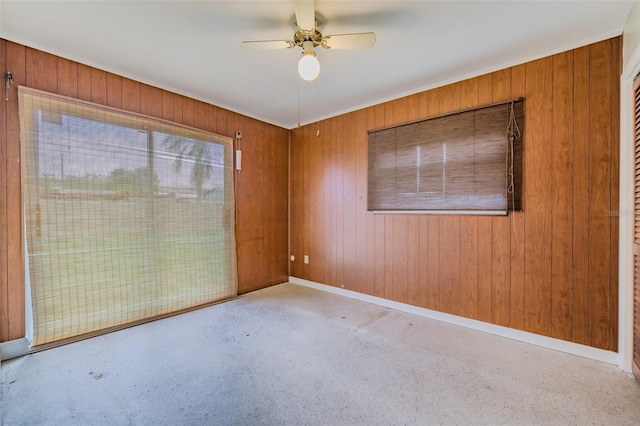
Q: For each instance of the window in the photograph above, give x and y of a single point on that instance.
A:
(127, 217)
(467, 162)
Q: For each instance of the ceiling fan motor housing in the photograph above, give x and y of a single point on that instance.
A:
(302, 35)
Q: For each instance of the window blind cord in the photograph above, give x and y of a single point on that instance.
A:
(513, 131)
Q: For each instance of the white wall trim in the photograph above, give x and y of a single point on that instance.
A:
(627, 213)
(14, 348)
(625, 237)
(523, 336)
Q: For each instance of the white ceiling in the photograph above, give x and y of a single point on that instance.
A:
(193, 47)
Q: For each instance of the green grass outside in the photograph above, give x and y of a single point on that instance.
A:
(121, 261)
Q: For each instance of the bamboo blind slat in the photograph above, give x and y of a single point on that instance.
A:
(127, 217)
(457, 162)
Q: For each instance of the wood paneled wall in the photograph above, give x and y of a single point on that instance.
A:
(261, 186)
(550, 270)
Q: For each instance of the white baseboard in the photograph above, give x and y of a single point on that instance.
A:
(14, 348)
(523, 336)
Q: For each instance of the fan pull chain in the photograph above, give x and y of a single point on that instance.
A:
(298, 80)
(318, 106)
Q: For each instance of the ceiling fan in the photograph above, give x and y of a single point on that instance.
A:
(308, 37)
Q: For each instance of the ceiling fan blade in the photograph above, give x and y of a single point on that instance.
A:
(349, 41)
(306, 14)
(267, 44)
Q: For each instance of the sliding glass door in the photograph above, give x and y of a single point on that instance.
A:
(127, 218)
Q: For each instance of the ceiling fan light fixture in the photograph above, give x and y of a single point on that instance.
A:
(308, 66)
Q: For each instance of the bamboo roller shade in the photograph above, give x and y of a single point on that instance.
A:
(457, 162)
(127, 217)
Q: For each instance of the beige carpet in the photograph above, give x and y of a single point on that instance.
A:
(296, 356)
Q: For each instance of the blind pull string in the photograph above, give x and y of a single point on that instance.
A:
(513, 131)
(298, 80)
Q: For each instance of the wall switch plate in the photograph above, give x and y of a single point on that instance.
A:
(306, 258)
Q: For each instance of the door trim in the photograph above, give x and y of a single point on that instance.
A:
(627, 166)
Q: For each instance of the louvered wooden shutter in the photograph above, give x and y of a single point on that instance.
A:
(636, 238)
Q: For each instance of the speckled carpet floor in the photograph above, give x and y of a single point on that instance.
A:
(297, 356)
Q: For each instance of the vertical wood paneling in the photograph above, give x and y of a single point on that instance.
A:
(501, 230)
(581, 77)
(562, 197)
(114, 90)
(388, 226)
(278, 144)
(296, 203)
(264, 194)
(297, 168)
(42, 70)
(517, 226)
(4, 236)
(261, 255)
(318, 194)
(370, 262)
(433, 225)
(413, 225)
(538, 161)
(168, 106)
(362, 218)
(485, 232)
(449, 227)
(616, 71)
(599, 193)
(423, 271)
(256, 247)
(331, 203)
(315, 200)
(532, 270)
(200, 109)
(379, 225)
(130, 95)
(212, 119)
(84, 82)
(151, 104)
(349, 207)
(469, 228)
(399, 250)
(305, 200)
(15, 329)
(98, 86)
(177, 108)
(222, 125)
(67, 78)
(187, 111)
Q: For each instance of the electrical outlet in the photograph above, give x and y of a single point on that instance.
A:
(306, 259)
